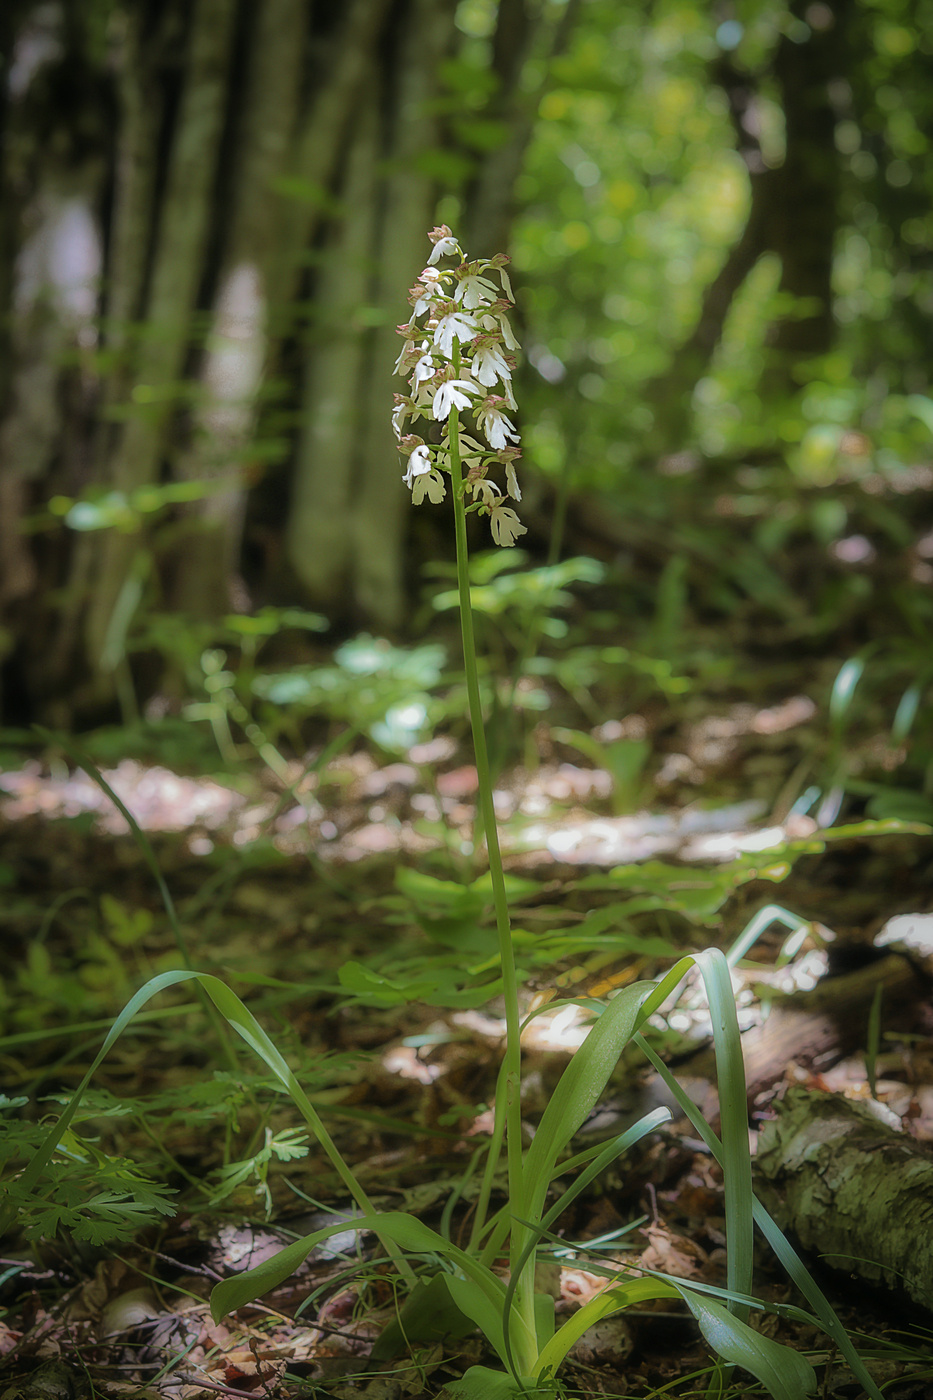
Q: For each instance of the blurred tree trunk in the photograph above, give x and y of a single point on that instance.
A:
(183, 226)
(345, 524)
(792, 213)
(250, 188)
(237, 346)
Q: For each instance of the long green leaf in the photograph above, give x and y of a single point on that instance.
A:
(781, 1369)
(578, 1090)
(784, 1251)
(611, 1300)
(785, 1373)
(475, 1304)
(733, 1112)
(405, 1232)
(607, 1154)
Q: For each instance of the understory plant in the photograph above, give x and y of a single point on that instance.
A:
(454, 429)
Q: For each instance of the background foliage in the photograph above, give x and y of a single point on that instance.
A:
(721, 230)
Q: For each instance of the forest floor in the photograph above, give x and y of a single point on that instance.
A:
(361, 864)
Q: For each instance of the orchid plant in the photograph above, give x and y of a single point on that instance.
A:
(458, 359)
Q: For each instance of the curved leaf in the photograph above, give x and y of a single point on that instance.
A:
(482, 1383)
(783, 1371)
(733, 1107)
(483, 1300)
(611, 1300)
(577, 1093)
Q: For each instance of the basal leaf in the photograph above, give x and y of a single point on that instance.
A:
(578, 1091)
(783, 1371)
(482, 1383)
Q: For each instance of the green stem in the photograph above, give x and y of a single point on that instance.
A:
(524, 1293)
(493, 1155)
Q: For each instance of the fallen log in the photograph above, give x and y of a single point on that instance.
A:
(852, 1188)
(817, 1028)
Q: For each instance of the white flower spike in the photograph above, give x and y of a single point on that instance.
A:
(456, 358)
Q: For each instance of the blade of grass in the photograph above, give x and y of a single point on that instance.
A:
(144, 844)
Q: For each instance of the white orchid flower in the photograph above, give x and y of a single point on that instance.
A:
(500, 324)
(430, 484)
(443, 248)
(430, 292)
(456, 325)
(424, 368)
(419, 463)
(489, 366)
(399, 414)
(499, 430)
(474, 291)
(453, 393)
(486, 491)
(506, 526)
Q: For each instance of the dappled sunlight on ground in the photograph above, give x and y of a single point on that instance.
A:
(357, 806)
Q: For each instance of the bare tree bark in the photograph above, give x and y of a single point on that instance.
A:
(803, 211)
(52, 259)
(342, 71)
(793, 214)
(347, 515)
(522, 33)
(319, 539)
(237, 347)
(183, 221)
(408, 206)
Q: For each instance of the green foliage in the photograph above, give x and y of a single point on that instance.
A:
(288, 1145)
(378, 689)
(94, 1198)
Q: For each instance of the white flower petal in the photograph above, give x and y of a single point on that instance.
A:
(506, 526)
(432, 485)
(443, 248)
(486, 491)
(419, 463)
(507, 335)
(459, 325)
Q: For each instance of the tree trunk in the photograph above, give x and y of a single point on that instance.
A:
(803, 210)
(793, 213)
(852, 1189)
(183, 224)
(237, 346)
